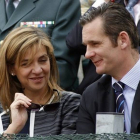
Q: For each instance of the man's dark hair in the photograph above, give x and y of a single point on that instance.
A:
(115, 19)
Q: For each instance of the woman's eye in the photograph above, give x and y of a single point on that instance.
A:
(23, 64)
(44, 60)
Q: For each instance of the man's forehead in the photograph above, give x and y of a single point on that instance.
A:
(94, 27)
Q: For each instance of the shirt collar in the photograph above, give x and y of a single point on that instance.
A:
(15, 2)
(132, 78)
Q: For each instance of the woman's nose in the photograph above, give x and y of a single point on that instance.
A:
(37, 69)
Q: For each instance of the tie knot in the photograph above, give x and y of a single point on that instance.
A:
(119, 86)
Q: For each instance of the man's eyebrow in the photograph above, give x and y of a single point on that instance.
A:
(91, 41)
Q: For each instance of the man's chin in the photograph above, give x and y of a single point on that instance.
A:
(99, 71)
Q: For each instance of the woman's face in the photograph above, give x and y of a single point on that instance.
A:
(34, 76)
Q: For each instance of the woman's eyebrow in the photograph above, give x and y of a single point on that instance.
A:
(44, 55)
(24, 60)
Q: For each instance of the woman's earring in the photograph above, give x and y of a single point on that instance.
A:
(12, 74)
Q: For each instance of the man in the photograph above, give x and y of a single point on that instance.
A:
(58, 17)
(111, 37)
(74, 42)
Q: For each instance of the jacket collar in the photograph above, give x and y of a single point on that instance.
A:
(3, 14)
(24, 7)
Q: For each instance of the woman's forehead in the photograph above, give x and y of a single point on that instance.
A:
(33, 51)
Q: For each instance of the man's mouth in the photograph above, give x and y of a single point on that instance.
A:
(96, 63)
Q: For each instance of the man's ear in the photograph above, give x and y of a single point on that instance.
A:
(123, 40)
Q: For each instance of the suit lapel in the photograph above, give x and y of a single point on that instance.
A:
(24, 7)
(2, 14)
(135, 115)
(108, 95)
(111, 99)
(138, 27)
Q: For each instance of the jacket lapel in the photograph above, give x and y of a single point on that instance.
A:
(109, 104)
(135, 115)
(111, 99)
(2, 14)
(138, 27)
(24, 7)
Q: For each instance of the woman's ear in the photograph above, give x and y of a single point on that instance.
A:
(11, 70)
(123, 40)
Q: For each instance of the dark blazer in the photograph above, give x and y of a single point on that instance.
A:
(100, 97)
(64, 13)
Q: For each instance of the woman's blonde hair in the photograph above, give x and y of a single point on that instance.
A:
(12, 50)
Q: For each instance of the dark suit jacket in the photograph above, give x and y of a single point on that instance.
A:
(64, 13)
(100, 97)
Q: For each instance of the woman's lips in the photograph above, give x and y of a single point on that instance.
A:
(36, 79)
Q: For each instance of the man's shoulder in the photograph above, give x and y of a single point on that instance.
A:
(99, 85)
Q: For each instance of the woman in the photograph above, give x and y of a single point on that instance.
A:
(31, 100)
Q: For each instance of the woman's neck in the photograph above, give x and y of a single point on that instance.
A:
(37, 97)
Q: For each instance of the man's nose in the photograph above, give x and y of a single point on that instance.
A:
(89, 53)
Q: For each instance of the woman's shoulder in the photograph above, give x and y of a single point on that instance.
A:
(70, 95)
(70, 102)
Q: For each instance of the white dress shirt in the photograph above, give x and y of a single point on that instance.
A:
(15, 2)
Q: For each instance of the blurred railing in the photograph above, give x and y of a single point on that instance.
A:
(74, 137)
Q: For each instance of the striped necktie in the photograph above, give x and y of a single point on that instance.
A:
(10, 9)
(119, 96)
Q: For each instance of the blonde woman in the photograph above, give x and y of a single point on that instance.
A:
(31, 102)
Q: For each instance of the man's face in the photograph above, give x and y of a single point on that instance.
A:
(100, 49)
